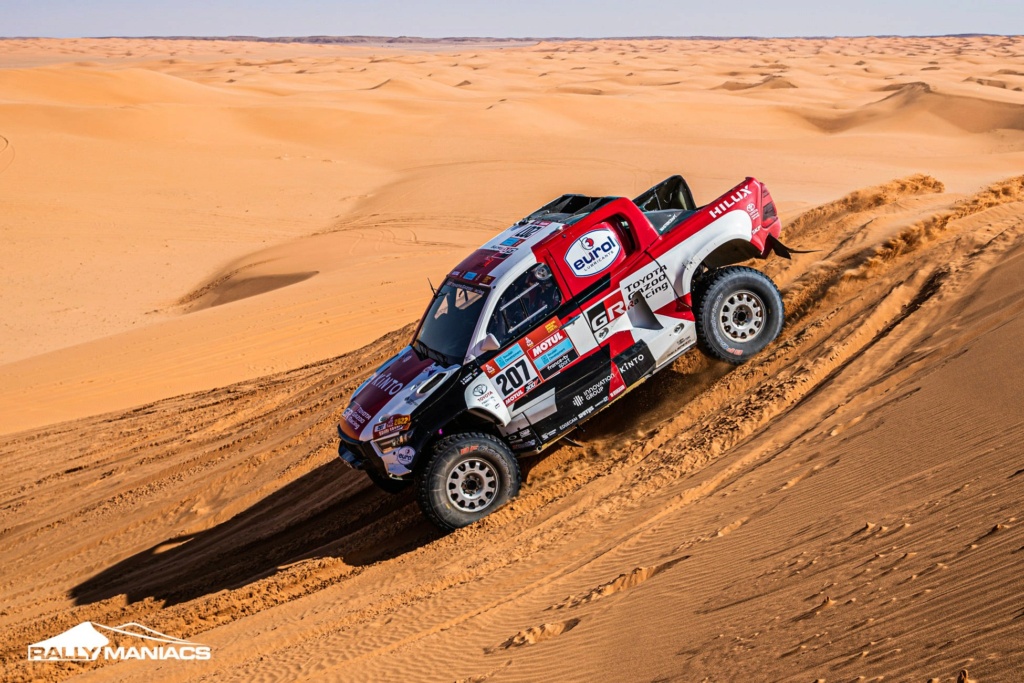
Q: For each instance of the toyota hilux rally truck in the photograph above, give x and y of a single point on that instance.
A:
(550, 322)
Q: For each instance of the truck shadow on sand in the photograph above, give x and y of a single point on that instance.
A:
(335, 512)
(328, 512)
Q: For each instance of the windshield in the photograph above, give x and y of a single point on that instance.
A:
(450, 321)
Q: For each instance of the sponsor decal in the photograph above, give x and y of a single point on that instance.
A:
(688, 336)
(649, 284)
(391, 425)
(595, 391)
(356, 416)
(512, 242)
(507, 356)
(604, 313)
(487, 279)
(562, 348)
(405, 454)
(90, 642)
(541, 333)
(484, 396)
(470, 288)
(548, 434)
(530, 229)
(469, 276)
(634, 363)
(565, 425)
(557, 365)
(545, 344)
(752, 210)
(455, 273)
(732, 200)
(522, 439)
(552, 353)
(386, 383)
(593, 253)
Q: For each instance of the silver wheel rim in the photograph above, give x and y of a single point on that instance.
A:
(741, 316)
(472, 485)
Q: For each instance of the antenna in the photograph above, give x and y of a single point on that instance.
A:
(431, 286)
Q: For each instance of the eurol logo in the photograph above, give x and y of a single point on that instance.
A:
(593, 252)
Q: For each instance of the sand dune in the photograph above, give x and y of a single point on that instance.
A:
(148, 169)
(846, 503)
(918, 108)
(208, 245)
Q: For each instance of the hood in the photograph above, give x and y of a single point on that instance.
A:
(383, 404)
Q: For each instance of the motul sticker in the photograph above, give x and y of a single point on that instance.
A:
(545, 345)
(593, 253)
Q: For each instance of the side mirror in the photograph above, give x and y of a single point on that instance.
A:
(489, 343)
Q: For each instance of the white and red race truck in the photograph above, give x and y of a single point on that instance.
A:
(549, 323)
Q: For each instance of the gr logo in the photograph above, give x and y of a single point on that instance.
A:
(608, 311)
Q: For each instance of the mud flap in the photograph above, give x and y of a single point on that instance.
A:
(774, 244)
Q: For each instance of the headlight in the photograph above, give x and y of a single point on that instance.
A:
(393, 442)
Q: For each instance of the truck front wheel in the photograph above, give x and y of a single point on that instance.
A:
(467, 477)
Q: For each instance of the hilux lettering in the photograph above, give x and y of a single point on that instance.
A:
(731, 201)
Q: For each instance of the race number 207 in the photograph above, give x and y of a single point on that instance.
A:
(514, 377)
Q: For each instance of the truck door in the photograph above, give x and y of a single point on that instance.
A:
(617, 285)
(607, 274)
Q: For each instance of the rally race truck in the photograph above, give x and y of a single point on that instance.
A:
(549, 323)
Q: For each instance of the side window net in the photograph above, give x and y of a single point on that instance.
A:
(532, 297)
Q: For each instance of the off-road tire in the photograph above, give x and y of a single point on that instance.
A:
(738, 311)
(385, 483)
(489, 477)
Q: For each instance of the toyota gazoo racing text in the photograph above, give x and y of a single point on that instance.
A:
(549, 323)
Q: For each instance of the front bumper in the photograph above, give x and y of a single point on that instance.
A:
(362, 455)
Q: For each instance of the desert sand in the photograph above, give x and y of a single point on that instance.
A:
(207, 245)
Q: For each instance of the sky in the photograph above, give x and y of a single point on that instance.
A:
(508, 19)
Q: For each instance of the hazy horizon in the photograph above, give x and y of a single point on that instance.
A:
(527, 19)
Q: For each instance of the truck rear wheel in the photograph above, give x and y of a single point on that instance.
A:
(467, 477)
(738, 312)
